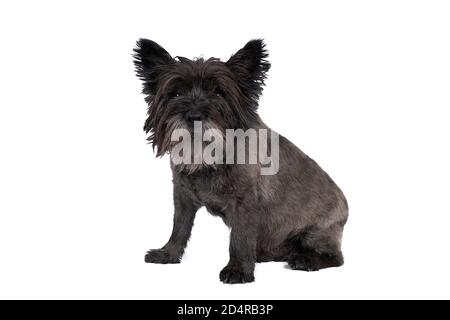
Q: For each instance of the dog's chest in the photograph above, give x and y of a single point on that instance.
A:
(217, 193)
(211, 189)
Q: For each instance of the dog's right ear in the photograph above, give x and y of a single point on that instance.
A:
(250, 66)
(149, 57)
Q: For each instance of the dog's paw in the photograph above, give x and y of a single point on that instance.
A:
(161, 256)
(303, 262)
(231, 275)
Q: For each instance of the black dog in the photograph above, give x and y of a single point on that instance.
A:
(295, 215)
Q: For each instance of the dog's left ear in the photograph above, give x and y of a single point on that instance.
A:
(149, 58)
(250, 66)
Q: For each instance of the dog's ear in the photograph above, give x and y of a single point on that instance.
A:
(149, 57)
(250, 66)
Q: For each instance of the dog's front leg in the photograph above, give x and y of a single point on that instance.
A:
(185, 209)
(243, 238)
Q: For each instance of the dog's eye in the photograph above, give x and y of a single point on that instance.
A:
(216, 91)
(174, 94)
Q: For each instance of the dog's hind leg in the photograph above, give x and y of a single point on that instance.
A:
(313, 249)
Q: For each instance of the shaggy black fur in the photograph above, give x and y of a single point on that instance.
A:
(296, 215)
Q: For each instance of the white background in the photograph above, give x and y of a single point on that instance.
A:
(360, 86)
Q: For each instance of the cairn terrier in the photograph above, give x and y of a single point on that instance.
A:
(293, 213)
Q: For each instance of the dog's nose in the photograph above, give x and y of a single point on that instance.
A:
(192, 116)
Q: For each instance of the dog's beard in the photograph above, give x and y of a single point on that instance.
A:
(197, 160)
(172, 124)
